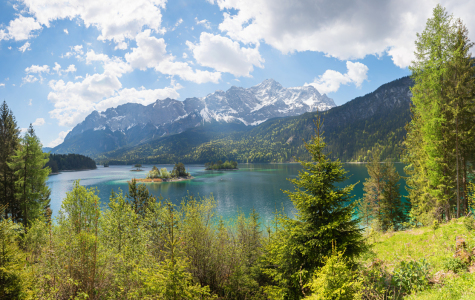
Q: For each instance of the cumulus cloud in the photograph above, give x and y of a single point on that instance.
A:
(117, 20)
(59, 139)
(30, 103)
(75, 50)
(73, 101)
(20, 29)
(66, 31)
(178, 23)
(344, 30)
(37, 69)
(25, 47)
(39, 122)
(70, 69)
(225, 55)
(331, 80)
(2, 84)
(29, 79)
(151, 53)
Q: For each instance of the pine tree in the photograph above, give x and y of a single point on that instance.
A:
(324, 216)
(373, 188)
(31, 189)
(392, 209)
(9, 139)
(461, 92)
(430, 100)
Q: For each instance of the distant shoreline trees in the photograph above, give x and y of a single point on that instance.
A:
(219, 165)
(70, 162)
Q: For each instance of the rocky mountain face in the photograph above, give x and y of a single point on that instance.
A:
(131, 124)
(350, 130)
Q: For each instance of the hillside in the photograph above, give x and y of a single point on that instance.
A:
(350, 131)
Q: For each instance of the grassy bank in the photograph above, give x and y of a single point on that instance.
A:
(437, 248)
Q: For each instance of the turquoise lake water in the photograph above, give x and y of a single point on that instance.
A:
(253, 186)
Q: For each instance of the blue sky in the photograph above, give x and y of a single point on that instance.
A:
(62, 59)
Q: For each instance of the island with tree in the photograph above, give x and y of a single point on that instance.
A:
(219, 165)
(156, 175)
(70, 162)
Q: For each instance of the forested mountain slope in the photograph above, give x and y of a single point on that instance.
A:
(350, 131)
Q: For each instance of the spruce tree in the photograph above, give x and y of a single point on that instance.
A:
(9, 139)
(373, 188)
(392, 213)
(31, 189)
(324, 216)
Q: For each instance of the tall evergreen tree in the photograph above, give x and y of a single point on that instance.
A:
(430, 100)
(324, 217)
(373, 188)
(461, 92)
(392, 208)
(31, 189)
(9, 139)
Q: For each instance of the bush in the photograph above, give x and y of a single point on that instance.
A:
(411, 276)
(454, 264)
(154, 173)
(335, 280)
(469, 223)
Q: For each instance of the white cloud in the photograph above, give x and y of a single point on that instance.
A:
(39, 122)
(73, 101)
(20, 29)
(151, 53)
(60, 139)
(178, 23)
(2, 84)
(224, 55)
(331, 80)
(117, 20)
(344, 30)
(29, 79)
(203, 22)
(70, 69)
(66, 31)
(31, 102)
(185, 56)
(25, 47)
(37, 69)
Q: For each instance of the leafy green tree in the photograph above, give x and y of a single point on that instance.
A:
(14, 281)
(31, 189)
(324, 216)
(179, 170)
(373, 189)
(9, 139)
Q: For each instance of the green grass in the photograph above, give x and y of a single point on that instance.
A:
(436, 247)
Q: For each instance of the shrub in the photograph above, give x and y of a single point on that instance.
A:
(411, 276)
(154, 173)
(469, 223)
(454, 264)
(335, 280)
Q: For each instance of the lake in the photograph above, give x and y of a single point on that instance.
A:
(253, 186)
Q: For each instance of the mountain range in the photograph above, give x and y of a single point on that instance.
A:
(350, 130)
(132, 124)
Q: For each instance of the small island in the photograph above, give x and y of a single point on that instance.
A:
(219, 165)
(137, 168)
(156, 175)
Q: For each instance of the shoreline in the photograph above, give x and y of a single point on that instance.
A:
(160, 180)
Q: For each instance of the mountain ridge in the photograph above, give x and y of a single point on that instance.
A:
(138, 123)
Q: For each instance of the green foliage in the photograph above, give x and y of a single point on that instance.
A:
(154, 173)
(454, 264)
(411, 276)
(179, 170)
(164, 173)
(227, 165)
(324, 216)
(335, 280)
(61, 162)
(469, 223)
(14, 280)
(435, 225)
(139, 197)
(30, 186)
